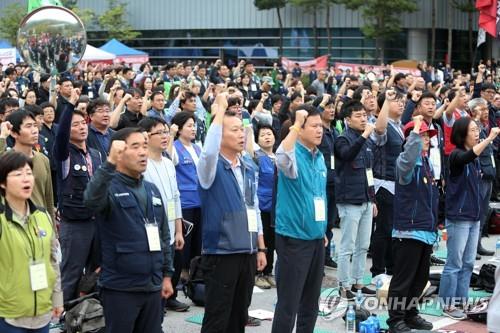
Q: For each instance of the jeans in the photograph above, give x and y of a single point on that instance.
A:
(6, 328)
(462, 247)
(355, 228)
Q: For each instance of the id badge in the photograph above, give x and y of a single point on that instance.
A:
(369, 177)
(171, 210)
(319, 209)
(332, 162)
(253, 87)
(153, 237)
(252, 219)
(91, 94)
(493, 161)
(38, 276)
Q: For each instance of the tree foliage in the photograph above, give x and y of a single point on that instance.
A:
(382, 18)
(273, 4)
(11, 19)
(114, 23)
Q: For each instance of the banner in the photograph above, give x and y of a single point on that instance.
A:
(7, 56)
(319, 63)
(34, 4)
(355, 69)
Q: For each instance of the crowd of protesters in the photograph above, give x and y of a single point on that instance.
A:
(133, 174)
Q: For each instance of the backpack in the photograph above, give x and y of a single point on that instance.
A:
(86, 315)
(194, 288)
(487, 277)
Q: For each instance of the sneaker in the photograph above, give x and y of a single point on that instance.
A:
(270, 279)
(253, 322)
(330, 263)
(174, 305)
(455, 313)
(399, 327)
(347, 294)
(364, 290)
(435, 261)
(261, 282)
(418, 323)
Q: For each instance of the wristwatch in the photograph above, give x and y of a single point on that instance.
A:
(262, 250)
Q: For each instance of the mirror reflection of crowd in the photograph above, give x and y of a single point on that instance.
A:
(53, 50)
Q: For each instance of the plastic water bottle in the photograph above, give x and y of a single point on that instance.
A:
(359, 299)
(350, 321)
(332, 249)
(378, 286)
(497, 248)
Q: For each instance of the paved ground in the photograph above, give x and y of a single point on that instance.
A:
(176, 322)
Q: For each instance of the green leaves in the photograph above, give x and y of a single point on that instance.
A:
(113, 21)
(269, 4)
(11, 19)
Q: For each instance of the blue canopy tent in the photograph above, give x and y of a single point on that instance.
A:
(124, 53)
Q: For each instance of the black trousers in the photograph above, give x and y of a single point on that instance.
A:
(332, 214)
(132, 312)
(411, 273)
(381, 238)
(300, 266)
(177, 256)
(268, 240)
(229, 281)
(192, 243)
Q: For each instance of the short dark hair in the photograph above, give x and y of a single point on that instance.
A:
(64, 79)
(124, 134)
(181, 118)
(276, 98)
(134, 91)
(485, 86)
(358, 93)
(47, 105)
(149, 122)
(16, 119)
(452, 93)
(187, 95)
(352, 106)
(125, 70)
(4, 102)
(156, 93)
(318, 101)
(459, 132)
(399, 76)
(426, 95)
(95, 104)
(9, 71)
(263, 127)
(10, 161)
(35, 109)
(80, 113)
(295, 95)
(311, 111)
(381, 98)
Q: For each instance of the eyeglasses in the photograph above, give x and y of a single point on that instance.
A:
(161, 133)
(106, 110)
(490, 92)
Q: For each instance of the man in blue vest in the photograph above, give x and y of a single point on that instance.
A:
(389, 146)
(355, 194)
(75, 165)
(301, 216)
(136, 255)
(233, 242)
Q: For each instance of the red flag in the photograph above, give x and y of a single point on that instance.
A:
(488, 15)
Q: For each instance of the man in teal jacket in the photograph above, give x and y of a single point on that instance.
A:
(300, 222)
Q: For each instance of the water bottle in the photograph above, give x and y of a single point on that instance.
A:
(497, 248)
(350, 321)
(378, 286)
(332, 249)
(359, 299)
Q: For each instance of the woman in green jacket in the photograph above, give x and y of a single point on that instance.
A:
(30, 285)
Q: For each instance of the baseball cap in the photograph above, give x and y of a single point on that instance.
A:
(423, 128)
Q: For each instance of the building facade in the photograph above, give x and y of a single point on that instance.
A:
(233, 29)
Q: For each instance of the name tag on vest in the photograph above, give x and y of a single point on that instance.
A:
(38, 276)
(252, 219)
(153, 237)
